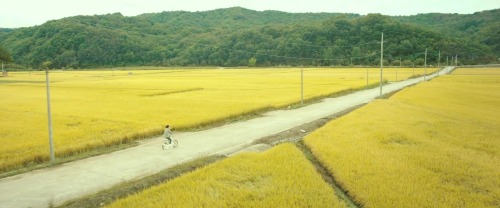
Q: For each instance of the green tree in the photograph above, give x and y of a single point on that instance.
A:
(419, 62)
(218, 38)
(355, 55)
(5, 56)
(47, 64)
(252, 62)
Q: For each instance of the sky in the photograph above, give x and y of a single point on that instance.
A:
(26, 13)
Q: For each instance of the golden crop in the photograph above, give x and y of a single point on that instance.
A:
(280, 177)
(431, 145)
(96, 109)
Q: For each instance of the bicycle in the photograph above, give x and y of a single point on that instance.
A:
(173, 144)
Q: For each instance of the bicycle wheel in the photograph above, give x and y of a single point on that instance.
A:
(175, 143)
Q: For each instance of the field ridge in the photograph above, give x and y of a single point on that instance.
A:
(340, 191)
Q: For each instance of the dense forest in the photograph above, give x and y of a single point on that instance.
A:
(241, 37)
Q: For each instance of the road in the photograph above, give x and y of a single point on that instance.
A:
(56, 185)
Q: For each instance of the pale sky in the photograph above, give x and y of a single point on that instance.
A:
(25, 13)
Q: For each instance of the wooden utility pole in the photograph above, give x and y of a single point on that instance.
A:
(397, 69)
(439, 59)
(439, 62)
(425, 64)
(381, 61)
(51, 140)
(367, 76)
(301, 85)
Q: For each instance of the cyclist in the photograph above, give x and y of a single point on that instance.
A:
(167, 134)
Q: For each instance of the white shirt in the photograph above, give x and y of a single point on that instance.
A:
(167, 133)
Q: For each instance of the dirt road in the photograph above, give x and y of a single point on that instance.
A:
(56, 185)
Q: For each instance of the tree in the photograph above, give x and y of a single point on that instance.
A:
(419, 62)
(489, 35)
(218, 38)
(47, 64)
(252, 62)
(355, 55)
(5, 56)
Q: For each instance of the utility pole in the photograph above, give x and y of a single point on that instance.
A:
(301, 85)
(51, 140)
(381, 61)
(367, 77)
(456, 60)
(397, 69)
(439, 59)
(425, 64)
(413, 69)
(439, 62)
(447, 64)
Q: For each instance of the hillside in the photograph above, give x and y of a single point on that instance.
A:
(454, 24)
(481, 26)
(232, 36)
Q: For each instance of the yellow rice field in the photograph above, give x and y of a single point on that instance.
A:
(96, 109)
(436, 144)
(279, 177)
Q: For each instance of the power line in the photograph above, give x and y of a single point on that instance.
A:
(295, 57)
(334, 46)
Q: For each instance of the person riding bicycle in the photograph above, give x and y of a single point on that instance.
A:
(167, 134)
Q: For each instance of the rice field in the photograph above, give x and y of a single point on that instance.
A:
(99, 109)
(279, 177)
(436, 144)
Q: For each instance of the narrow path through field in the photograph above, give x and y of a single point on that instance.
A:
(56, 185)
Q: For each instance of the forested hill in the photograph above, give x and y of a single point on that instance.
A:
(241, 37)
